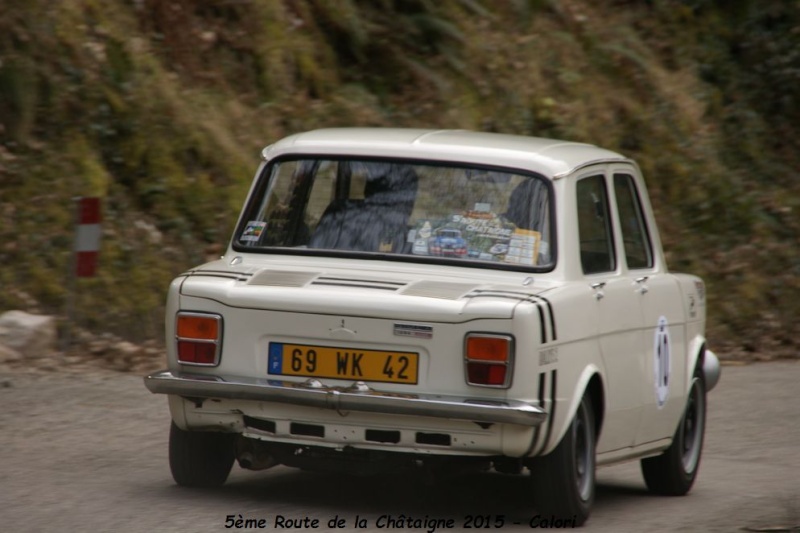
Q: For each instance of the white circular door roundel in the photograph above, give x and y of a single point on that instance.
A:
(662, 362)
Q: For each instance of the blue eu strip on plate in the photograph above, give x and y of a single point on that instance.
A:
(275, 358)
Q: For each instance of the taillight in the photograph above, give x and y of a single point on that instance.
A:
(489, 359)
(199, 338)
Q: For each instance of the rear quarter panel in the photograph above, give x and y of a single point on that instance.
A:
(565, 362)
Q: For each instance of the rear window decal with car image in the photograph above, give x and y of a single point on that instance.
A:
(480, 235)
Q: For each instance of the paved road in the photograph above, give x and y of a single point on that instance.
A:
(88, 453)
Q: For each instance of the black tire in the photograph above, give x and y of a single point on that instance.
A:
(200, 458)
(673, 472)
(564, 480)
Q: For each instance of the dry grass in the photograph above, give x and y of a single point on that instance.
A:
(161, 107)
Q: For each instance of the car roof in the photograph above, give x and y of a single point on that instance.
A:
(549, 157)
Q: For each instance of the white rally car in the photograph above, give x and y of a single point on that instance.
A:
(328, 337)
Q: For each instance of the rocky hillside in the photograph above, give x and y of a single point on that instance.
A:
(161, 107)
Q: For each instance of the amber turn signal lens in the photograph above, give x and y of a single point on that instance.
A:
(198, 327)
(488, 348)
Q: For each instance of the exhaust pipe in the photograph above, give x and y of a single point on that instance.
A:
(252, 455)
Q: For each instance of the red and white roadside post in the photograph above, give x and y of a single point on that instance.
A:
(87, 237)
(85, 252)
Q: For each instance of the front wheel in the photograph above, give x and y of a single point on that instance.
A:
(673, 472)
(564, 480)
(200, 458)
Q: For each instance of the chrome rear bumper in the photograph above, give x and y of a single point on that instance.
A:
(358, 397)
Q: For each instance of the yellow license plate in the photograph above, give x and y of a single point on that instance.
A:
(342, 363)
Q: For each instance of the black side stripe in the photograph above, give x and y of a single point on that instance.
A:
(356, 285)
(552, 414)
(532, 298)
(541, 323)
(542, 377)
(537, 299)
(553, 380)
(199, 272)
(492, 295)
(535, 440)
(209, 275)
(552, 317)
(354, 280)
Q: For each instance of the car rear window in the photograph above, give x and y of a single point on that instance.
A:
(400, 210)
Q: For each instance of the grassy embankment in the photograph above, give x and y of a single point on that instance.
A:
(161, 107)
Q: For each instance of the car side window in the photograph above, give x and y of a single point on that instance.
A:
(638, 250)
(594, 226)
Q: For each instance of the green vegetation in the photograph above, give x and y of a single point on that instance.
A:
(161, 107)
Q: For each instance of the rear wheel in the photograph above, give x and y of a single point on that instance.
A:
(564, 480)
(673, 472)
(200, 458)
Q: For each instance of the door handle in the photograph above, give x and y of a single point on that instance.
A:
(598, 287)
(642, 289)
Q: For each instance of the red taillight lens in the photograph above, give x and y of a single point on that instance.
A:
(199, 338)
(483, 374)
(202, 353)
(488, 359)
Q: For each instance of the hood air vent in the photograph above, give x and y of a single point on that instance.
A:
(282, 278)
(439, 289)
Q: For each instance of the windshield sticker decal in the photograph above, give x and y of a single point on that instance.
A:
(253, 231)
(661, 362)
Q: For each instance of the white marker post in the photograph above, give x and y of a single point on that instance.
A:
(86, 252)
